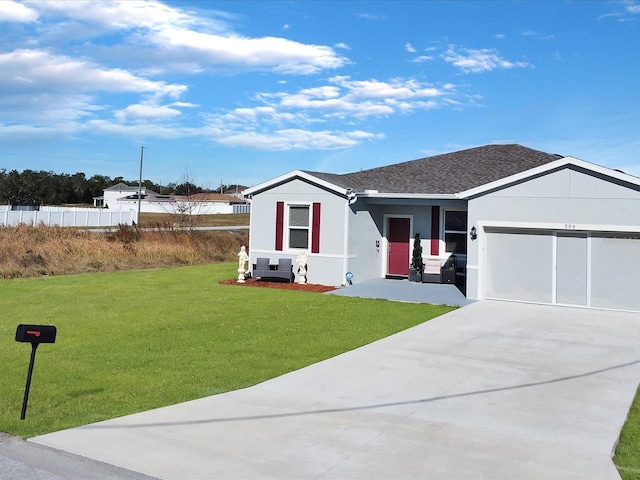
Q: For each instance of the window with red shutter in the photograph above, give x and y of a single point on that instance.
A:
(298, 226)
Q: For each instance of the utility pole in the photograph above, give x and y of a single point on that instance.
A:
(140, 184)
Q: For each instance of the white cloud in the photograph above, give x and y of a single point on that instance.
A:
(371, 16)
(625, 11)
(476, 61)
(34, 70)
(41, 85)
(285, 121)
(184, 105)
(174, 38)
(42, 108)
(29, 133)
(321, 98)
(396, 88)
(540, 36)
(11, 11)
(147, 112)
(119, 15)
(43, 89)
(359, 99)
(294, 139)
(276, 54)
(138, 131)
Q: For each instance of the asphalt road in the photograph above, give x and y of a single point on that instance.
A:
(22, 460)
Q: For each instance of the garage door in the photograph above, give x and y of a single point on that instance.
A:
(591, 269)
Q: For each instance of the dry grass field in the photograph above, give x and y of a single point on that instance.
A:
(27, 251)
(177, 221)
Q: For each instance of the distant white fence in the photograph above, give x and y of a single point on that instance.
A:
(66, 217)
(180, 207)
(242, 208)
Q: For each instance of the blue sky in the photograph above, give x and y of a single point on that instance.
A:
(243, 91)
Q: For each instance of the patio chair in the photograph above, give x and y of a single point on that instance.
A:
(261, 268)
(285, 269)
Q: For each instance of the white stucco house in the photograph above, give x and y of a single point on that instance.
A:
(123, 197)
(532, 226)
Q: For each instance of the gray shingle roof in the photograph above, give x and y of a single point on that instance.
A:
(445, 174)
(121, 187)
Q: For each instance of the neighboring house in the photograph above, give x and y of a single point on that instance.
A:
(124, 197)
(113, 194)
(531, 226)
(237, 191)
(209, 203)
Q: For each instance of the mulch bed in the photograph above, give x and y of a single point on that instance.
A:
(306, 287)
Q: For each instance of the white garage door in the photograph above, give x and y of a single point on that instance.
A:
(592, 269)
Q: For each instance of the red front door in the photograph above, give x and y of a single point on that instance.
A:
(398, 260)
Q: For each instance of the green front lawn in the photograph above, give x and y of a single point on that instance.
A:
(627, 457)
(134, 340)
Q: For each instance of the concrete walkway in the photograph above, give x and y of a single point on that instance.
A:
(405, 291)
(493, 390)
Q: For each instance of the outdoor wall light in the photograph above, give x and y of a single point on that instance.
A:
(349, 278)
(473, 233)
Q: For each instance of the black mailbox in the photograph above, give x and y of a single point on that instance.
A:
(36, 333)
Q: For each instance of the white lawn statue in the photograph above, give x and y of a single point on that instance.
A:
(302, 267)
(243, 258)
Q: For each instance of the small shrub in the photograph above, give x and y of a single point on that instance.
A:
(126, 234)
(30, 259)
(95, 265)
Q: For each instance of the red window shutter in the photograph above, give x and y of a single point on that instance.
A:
(279, 225)
(315, 229)
(435, 230)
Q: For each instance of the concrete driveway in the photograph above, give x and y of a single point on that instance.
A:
(492, 390)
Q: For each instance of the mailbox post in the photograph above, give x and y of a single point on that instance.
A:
(34, 334)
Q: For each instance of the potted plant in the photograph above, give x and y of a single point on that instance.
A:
(448, 272)
(417, 264)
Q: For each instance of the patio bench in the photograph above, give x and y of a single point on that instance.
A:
(264, 270)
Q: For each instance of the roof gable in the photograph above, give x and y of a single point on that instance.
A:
(321, 180)
(566, 162)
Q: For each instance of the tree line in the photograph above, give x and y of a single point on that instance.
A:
(47, 188)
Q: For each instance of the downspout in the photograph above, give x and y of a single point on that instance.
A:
(351, 199)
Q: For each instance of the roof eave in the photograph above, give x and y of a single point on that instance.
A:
(287, 177)
(410, 196)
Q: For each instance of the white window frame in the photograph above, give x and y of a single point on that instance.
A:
(444, 232)
(288, 227)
